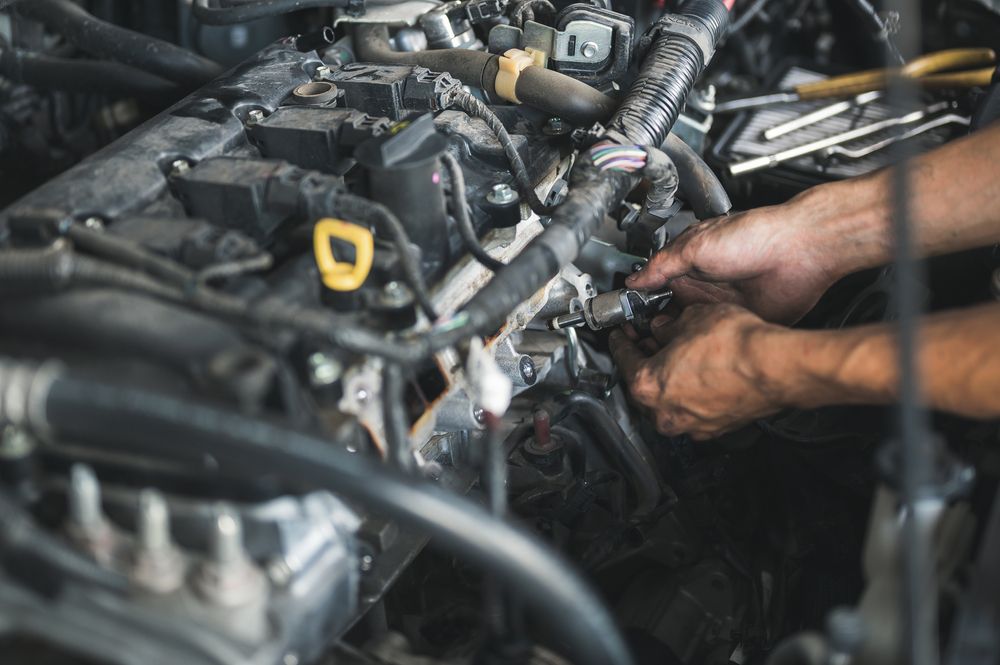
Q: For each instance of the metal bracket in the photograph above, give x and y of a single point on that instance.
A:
(591, 44)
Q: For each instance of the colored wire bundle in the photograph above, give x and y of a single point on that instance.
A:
(609, 156)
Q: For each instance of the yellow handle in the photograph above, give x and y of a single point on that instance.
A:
(340, 275)
(975, 78)
(876, 79)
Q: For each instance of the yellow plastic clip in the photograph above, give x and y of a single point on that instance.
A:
(340, 275)
(512, 63)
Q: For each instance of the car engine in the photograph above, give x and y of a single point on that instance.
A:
(303, 356)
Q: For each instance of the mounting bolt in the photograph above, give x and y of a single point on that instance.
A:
(153, 524)
(94, 223)
(255, 116)
(87, 524)
(589, 49)
(157, 565)
(501, 193)
(179, 167)
(479, 414)
(396, 294)
(15, 443)
(324, 370)
(367, 563)
(85, 499)
(228, 576)
(322, 72)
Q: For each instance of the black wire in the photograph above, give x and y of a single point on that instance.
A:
(525, 11)
(357, 208)
(756, 8)
(526, 188)
(395, 422)
(893, 57)
(465, 228)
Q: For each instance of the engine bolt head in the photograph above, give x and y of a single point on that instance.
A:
(179, 167)
(589, 49)
(501, 193)
(255, 116)
(15, 443)
(94, 223)
(324, 370)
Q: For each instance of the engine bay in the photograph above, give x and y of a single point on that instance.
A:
(303, 334)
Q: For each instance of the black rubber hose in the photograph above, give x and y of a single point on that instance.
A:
(474, 68)
(525, 187)
(668, 74)
(127, 253)
(544, 89)
(397, 429)
(74, 75)
(563, 96)
(214, 12)
(164, 425)
(107, 40)
(698, 185)
(631, 455)
(44, 562)
(461, 211)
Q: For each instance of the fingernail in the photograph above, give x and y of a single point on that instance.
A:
(660, 321)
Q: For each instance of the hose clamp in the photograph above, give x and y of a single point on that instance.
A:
(512, 63)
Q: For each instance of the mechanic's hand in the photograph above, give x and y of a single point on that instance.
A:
(768, 260)
(708, 377)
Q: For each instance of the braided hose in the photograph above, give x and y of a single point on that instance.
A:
(682, 48)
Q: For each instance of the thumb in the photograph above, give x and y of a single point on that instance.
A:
(665, 265)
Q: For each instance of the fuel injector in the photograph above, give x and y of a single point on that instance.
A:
(613, 308)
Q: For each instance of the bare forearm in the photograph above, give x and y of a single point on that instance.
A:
(958, 360)
(955, 199)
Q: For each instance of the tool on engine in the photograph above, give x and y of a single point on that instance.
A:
(613, 308)
(829, 143)
(926, 70)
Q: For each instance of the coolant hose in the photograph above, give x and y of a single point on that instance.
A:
(683, 46)
(698, 185)
(631, 454)
(74, 75)
(56, 401)
(107, 40)
(541, 88)
(242, 11)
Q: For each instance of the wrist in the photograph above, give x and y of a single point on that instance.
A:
(847, 225)
(814, 368)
